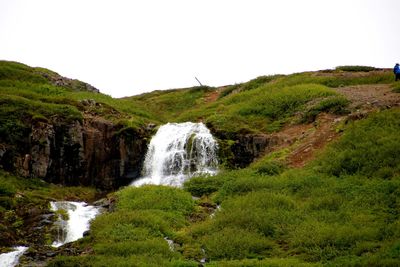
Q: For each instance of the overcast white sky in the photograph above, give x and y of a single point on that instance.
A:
(129, 47)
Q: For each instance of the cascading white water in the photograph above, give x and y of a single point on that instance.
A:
(11, 259)
(177, 152)
(77, 222)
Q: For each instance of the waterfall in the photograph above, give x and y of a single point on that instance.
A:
(11, 259)
(73, 220)
(177, 152)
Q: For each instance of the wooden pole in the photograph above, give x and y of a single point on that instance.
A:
(198, 81)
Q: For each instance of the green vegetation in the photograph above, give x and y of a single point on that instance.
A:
(24, 200)
(343, 209)
(252, 84)
(167, 105)
(396, 88)
(264, 109)
(370, 149)
(28, 94)
(355, 68)
(134, 234)
(326, 214)
(264, 104)
(16, 191)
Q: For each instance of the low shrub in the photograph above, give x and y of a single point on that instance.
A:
(356, 68)
(396, 88)
(148, 247)
(270, 262)
(134, 225)
(236, 243)
(335, 105)
(156, 198)
(369, 147)
(261, 211)
(269, 167)
(322, 241)
(117, 261)
(200, 186)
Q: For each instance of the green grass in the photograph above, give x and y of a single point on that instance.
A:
(335, 105)
(23, 200)
(28, 93)
(369, 148)
(166, 105)
(396, 87)
(310, 215)
(355, 68)
(155, 197)
(341, 210)
(264, 104)
(252, 84)
(136, 230)
(263, 109)
(322, 215)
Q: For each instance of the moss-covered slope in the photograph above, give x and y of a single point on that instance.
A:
(298, 204)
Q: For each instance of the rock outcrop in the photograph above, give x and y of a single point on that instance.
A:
(94, 152)
(248, 147)
(239, 150)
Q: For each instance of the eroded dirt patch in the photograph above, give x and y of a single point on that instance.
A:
(304, 140)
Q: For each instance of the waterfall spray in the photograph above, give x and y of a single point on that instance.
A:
(77, 222)
(177, 152)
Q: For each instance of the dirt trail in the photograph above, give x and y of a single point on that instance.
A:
(304, 140)
(370, 96)
(213, 95)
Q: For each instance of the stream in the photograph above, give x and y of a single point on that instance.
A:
(176, 153)
(11, 259)
(73, 220)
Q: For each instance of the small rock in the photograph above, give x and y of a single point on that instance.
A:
(86, 233)
(150, 126)
(104, 202)
(51, 254)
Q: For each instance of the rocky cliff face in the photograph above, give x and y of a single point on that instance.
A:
(239, 150)
(94, 152)
(248, 147)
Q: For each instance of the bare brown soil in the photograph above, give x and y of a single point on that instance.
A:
(304, 140)
(213, 96)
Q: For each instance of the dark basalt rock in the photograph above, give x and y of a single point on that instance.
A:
(238, 150)
(251, 146)
(94, 152)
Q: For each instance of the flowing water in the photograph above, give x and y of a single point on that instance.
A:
(177, 152)
(11, 259)
(74, 219)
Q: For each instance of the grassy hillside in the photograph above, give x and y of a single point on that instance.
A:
(28, 94)
(264, 104)
(334, 212)
(341, 209)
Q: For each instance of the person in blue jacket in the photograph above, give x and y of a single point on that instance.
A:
(396, 71)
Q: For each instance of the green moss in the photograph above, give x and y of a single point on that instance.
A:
(155, 197)
(356, 68)
(369, 147)
(231, 243)
(335, 105)
(396, 87)
(342, 210)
